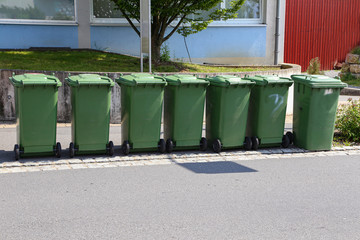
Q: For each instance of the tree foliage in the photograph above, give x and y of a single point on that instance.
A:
(183, 16)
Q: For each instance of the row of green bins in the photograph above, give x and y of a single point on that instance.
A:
(142, 97)
(227, 104)
(183, 112)
(315, 104)
(90, 114)
(36, 98)
(267, 111)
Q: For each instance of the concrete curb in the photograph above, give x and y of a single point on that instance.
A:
(350, 91)
(147, 159)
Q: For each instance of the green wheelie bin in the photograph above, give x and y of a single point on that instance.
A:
(36, 98)
(142, 96)
(315, 104)
(184, 101)
(227, 103)
(267, 111)
(90, 114)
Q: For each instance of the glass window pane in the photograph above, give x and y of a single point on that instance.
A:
(250, 9)
(105, 9)
(205, 14)
(37, 9)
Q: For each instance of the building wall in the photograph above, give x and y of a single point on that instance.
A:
(22, 36)
(226, 44)
(327, 29)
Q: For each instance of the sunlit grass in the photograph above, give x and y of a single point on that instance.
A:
(93, 61)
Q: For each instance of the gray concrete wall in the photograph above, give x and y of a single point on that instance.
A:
(7, 97)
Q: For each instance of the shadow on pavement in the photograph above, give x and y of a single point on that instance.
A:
(216, 167)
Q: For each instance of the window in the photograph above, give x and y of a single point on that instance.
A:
(46, 10)
(250, 13)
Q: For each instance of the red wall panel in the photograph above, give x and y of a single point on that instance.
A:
(327, 29)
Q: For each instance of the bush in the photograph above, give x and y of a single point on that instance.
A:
(348, 121)
(356, 50)
(314, 66)
(165, 53)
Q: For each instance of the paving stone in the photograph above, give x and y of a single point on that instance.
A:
(12, 164)
(78, 166)
(17, 169)
(32, 169)
(47, 168)
(63, 167)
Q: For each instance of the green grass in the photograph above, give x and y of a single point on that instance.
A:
(93, 61)
(350, 80)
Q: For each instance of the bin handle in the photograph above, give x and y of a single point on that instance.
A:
(308, 77)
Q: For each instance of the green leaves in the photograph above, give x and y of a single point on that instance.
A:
(348, 121)
(183, 16)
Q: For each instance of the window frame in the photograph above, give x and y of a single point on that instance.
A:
(229, 23)
(42, 22)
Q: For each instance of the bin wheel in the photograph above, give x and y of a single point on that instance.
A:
(290, 136)
(285, 141)
(162, 146)
(125, 148)
(203, 144)
(169, 145)
(17, 151)
(58, 150)
(217, 146)
(110, 148)
(255, 143)
(71, 150)
(248, 143)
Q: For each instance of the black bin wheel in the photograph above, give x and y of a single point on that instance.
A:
(255, 143)
(169, 145)
(217, 146)
(71, 150)
(17, 152)
(125, 148)
(203, 144)
(162, 146)
(285, 141)
(290, 135)
(110, 149)
(58, 150)
(248, 143)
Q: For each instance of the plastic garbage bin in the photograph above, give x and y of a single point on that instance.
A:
(142, 97)
(267, 111)
(315, 104)
(90, 114)
(184, 112)
(36, 97)
(227, 102)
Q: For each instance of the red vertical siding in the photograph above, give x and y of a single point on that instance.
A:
(327, 29)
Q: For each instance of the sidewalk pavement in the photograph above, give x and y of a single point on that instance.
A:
(9, 165)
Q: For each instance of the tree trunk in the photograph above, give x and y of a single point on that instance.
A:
(155, 50)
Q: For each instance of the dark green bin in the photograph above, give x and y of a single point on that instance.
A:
(36, 98)
(227, 103)
(90, 114)
(267, 111)
(183, 112)
(142, 97)
(315, 104)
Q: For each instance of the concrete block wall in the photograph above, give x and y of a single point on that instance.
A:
(7, 96)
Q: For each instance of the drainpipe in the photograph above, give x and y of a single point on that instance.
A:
(277, 33)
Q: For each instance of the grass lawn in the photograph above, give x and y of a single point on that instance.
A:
(94, 61)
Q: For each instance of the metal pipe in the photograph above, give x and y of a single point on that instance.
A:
(277, 33)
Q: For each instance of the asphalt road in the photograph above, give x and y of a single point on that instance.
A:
(314, 198)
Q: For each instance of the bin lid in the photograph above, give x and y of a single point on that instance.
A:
(228, 80)
(34, 79)
(140, 79)
(318, 81)
(269, 79)
(89, 79)
(180, 79)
